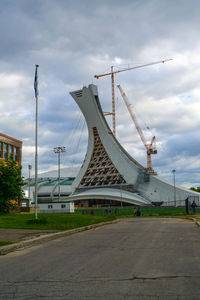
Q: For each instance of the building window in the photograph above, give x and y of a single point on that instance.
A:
(5, 150)
(50, 206)
(15, 153)
(1, 148)
(10, 148)
(10, 151)
(63, 205)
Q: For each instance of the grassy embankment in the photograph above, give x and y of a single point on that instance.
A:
(145, 211)
(85, 217)
(51, 221)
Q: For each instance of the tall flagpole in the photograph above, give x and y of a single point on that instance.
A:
(36, 139)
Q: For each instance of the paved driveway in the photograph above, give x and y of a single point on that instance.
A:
(134, 259)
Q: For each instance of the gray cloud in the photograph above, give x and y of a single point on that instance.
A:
(72, 41)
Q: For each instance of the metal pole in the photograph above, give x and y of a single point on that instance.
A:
(59, 176)
(36, 144)
(59, 150)
(174, 171)
(121, 195)
(36, 156)
(175, 188)
(29, 181)
(113, 100)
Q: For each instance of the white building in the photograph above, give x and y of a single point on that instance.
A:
(57, 207)
(48, 194)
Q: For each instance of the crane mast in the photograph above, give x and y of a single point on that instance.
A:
(149, 147)
(112, 73)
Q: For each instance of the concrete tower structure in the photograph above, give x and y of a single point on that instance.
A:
(108, 171)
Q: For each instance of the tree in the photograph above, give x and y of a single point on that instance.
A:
(195, 189)
(11, 183)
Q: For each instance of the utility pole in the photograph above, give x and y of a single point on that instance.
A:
(174, 172)
(58, 150)
(29, 181)
(36, 138)
(121, 195)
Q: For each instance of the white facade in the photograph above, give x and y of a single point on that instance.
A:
(48, 189)
(103, 147)
(57, 207)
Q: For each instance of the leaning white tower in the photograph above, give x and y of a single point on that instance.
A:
(108, 171)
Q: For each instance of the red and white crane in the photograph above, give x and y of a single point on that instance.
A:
(149, 147)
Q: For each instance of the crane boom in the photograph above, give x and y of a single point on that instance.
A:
(148, 147)
(133, 116)
(153, 139)
(132, 68)
(112, 73)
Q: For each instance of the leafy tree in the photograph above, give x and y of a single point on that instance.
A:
(195, 189)
(11, 183)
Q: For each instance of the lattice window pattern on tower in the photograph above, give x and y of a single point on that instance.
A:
(101, 171)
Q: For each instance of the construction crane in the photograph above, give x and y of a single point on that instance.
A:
(149, 147)
(113, 84)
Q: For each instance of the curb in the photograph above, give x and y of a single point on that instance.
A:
(195, 221)
(191, 219)
(186, 218)
(49, 237)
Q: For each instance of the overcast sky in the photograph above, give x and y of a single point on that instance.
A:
(74, 40)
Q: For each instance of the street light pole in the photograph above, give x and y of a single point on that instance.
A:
(58, 150)
(174, 172)
(36, 139)
(121, 195)
(29, 180)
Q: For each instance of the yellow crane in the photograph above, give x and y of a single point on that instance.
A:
(149, 147)
(112, 73)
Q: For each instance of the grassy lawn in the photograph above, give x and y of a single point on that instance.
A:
(128, 211)
(85, 217)
(52, 221)
(196, 216)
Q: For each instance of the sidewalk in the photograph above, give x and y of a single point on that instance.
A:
(16, 235)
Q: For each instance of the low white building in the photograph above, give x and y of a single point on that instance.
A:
(49, 199)
(56, 207)
(48, 189)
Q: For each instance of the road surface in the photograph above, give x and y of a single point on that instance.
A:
(138, 258)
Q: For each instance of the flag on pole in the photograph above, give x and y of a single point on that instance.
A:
(36, 81)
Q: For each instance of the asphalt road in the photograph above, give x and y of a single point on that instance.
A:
(16, 235)
(134, 259)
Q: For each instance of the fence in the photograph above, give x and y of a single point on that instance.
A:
(131, 211)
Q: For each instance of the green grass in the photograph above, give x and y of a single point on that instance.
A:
(196, 216)
(3, 243)
(83, 217)
(52, 221)
(128, 211)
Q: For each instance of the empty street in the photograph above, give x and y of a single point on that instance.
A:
(137, 258)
